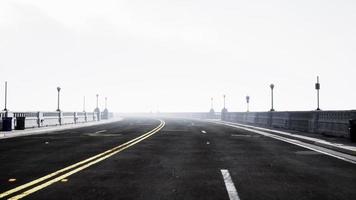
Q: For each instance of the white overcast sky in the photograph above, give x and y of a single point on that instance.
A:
(174, 55)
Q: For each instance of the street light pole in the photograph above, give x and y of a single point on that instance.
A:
(58, 90)
(248, 102)
(84, 104)
(272, 87)
(224, 100)
(212, 105)
(97, 101)
(5, 109)
(106, 101)
(317, 87)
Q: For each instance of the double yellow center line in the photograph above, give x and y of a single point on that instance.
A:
(56, 176)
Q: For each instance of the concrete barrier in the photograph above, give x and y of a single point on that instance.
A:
(43, 119)
(67, 118)
(333, 123)
(193, 115)
(80, 117)
(2, 115)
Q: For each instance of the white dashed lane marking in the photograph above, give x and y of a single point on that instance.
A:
(229, 184)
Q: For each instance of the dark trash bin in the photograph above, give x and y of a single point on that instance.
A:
(353, 130)
(20, 123)
(7, 123)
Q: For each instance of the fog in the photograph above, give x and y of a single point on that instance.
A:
(172, 56)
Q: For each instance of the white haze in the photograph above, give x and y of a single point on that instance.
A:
(174, 55)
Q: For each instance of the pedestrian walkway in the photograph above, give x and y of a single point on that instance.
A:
(36, 131)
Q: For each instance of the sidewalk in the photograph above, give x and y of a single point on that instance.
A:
(342, 145)
(37, 131)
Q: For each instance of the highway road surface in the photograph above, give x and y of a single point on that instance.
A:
(144, 158)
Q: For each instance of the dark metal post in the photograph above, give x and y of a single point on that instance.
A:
(248, 102)
(272, 87)
(317, 87)
(58, 90)
(5, 109)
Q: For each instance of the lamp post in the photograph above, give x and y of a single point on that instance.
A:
(212, 106)
(248, 102)
(97, 110)
(106, 102)
(84, 104)
(317, 87)
(224, 110)
(5, 109)
(97, 101)
(212, 103)
(272, 87)
(224, 100)
(58, 91)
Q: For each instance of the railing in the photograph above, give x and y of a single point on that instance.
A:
(334, 123)
(196, 115)
(42, 119)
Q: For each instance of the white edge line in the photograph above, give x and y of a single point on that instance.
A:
(343, 146)
(291, 141)
(102, 131)
(229, 184)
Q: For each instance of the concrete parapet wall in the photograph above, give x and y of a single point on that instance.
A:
(43, 119)
(196, 115)
(333, 123)
(80, 117)
(184, 115)
(91, 117)
(192, 115)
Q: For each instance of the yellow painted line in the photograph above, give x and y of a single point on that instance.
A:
(90, 161)
(70, 167)
(50, 182)
(4, 194)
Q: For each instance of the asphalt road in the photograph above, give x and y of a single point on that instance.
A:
(183, 160)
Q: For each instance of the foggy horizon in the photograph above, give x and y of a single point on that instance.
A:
(171, 56)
